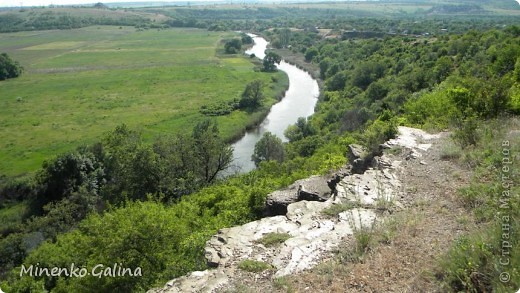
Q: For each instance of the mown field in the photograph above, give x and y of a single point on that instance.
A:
(81, 83)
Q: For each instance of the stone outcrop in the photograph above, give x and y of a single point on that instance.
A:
(314, 188)
(358, 158)
(313, 233)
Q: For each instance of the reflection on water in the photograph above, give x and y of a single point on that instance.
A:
(299, 101)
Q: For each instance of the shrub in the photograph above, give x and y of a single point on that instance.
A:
(254, 266)
(272, 239)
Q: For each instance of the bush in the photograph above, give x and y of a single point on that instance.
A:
(254, 266)
(8, 67)
(141, 235)
(272, 239)
(269, 147)
(233, 46)
(377, 133)
(220, 108)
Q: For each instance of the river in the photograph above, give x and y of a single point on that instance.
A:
(299, 101)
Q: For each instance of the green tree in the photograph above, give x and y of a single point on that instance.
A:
(311, 53)
(211, 152)
(246, 39)
(233, 46)
(270, 61)
(268, 148)
(8, 67)
(252, 95)
(284, 37)
(301, 129)
(65, 175)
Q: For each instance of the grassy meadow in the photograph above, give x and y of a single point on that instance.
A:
(81, 83)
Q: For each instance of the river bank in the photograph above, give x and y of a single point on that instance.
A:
(299, 101)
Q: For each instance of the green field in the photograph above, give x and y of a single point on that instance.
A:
(79, 84)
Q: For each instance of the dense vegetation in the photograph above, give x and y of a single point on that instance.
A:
(68, 18)
(8, 67)
(153, 205)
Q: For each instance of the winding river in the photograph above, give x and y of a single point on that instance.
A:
(299, 101)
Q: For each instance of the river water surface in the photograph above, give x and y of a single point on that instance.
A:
(299, 101)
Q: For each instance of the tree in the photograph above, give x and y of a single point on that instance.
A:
(270, 61)
(211, 152)
(67, 174)
(268, 148)
(311, 53)
(284, 36)
(8, 67)
(233, 46)
(246, 39)
(252, 95)
(300, 130)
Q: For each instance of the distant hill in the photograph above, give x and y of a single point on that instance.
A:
(100, 5)
(72, 17)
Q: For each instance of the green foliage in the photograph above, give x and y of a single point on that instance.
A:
(140, 235)
(252, 96)
(377, 133)
(254, 266)
(479, 261)
(281, 283)
(66, 175)
(233, 46)
(8, 67)
(336, 209)
(431, 109)
(366, 73)
(246, 39)
(310, 54)
(211, 152)
(67, 18)
(268, 148)
(270, 61)
(301, 129)
(272, 239)
(473, 263)
(466, 133)
(219, 108)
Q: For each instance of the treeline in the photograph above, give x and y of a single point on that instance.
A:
(121, 168)
(45, 20)
(339, 19)
(109, 198)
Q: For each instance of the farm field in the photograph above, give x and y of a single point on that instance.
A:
(79, 84)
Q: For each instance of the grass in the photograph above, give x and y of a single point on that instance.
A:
(272, 239)
(254, 266)
(336, 209)
(281, 283)
(478, 261)
(81, 83)
(11, 216)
